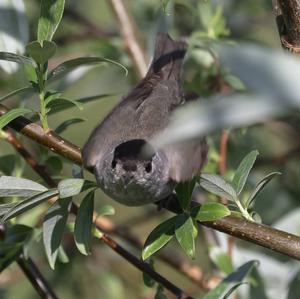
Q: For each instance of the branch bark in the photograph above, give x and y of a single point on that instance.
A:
(268, 237)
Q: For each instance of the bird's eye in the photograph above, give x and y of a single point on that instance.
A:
(148, 167)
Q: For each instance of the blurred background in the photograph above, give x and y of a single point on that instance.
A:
(90, 28)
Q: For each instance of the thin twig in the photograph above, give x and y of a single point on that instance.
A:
(262, 235)
(36, 278)
(129, 36)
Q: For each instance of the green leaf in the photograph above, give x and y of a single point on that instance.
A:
(184, 228)
(218, 186)
(107, 210)
(260, 185)
(53, 228)
(12, 114)
(50, 16)
(68, 66)
(83, 224)
(16, 58)
(71, 187)
(15, 92)
(55, 164)
(57, 102)
(221, 259)
(63, 105)
(14, 186)
(18, 233)
(29, 203)
(64, 125)
(232, 280)
(4, 208)
(243, 171)
(62, 256)
(231, 290)
(41, 53)
(159, 237)
(7, 164)
(184, 192)
(210, 211)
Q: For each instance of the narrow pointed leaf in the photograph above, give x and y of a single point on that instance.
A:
(83, 224)
(64, 125)
(68, 66)
(71, 187)
(4, 208)
(50, 17)
(260, 185)
(210, 211)
(29, 203)
(56, 103)
(159, 237)
(53, 228)
(16, 58)
(243, 171)
(14, 186)
(184, 192)
(15, 92)
(184, 229)
(9, 116)
(229, 282)
(218, 186)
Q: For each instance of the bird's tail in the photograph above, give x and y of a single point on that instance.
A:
(168, 57)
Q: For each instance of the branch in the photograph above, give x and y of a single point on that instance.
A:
(260, 234)
(36, 278)
(288, 23)
(129, 36)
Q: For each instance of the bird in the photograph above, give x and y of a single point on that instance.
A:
(115, 151)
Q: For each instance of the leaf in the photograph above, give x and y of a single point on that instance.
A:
(83, 224)
(184, 192)
(260, 185)
(218, 186)
(41, 53)
(15, 92)
(16, 58)
(243, 170)
(55, 164)
(159, 237)
(7, 164)
(107, 210)
(29, 203)
(77, 171)
(57, 102)
(64, 125)
(232, 280)
(221, 259)
(4, 208)
(231, 290)
(71, 187)
(50, 17)
(12, 114)
(62, 256)
(294, 287)
(69, 65)
(8, 254)
(66, 105)
(184, 234)
(53, 227)
(14, 186)
(210, 211)
(18, 233)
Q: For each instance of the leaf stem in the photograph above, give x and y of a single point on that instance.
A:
(243, 210)
(43, 114)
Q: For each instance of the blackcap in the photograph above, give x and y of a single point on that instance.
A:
(115, 151)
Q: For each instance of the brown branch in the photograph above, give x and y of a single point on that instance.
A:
(262, 235)
(288, 23)
(36, 278)
(129, 36)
